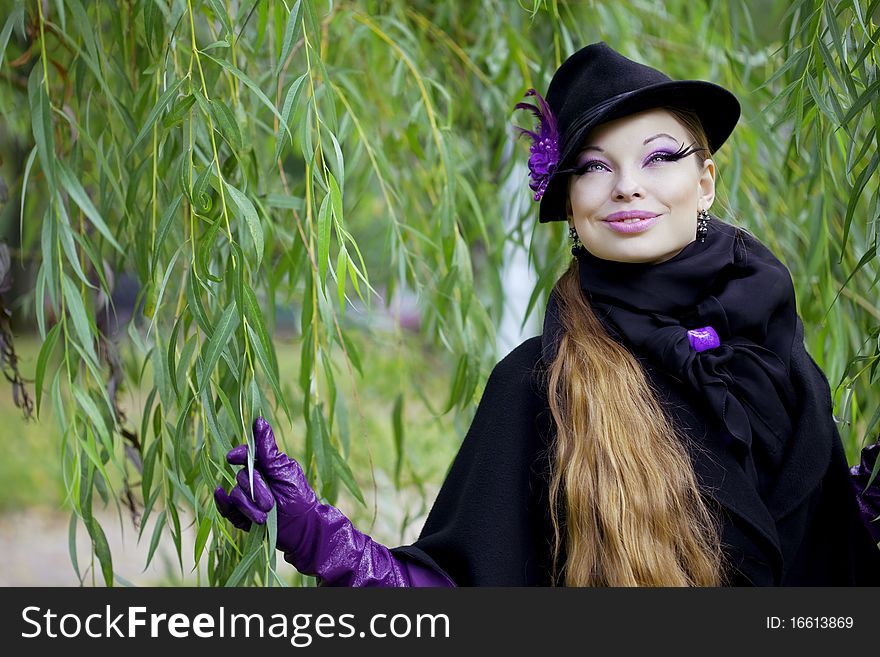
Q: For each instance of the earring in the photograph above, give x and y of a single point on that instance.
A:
(702, 225)
(575, 240)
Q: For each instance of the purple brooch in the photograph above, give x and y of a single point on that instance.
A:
(545, 144)
(703, 338)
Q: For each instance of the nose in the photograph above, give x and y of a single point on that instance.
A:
(627, 186)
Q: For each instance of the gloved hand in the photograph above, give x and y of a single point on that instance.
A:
(317, 539)
(869, 501)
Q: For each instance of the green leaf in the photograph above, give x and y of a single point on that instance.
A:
(397, 424)
(221, 15)
(867, 96)
(207, 251)
(272, 535)
(85, 28)
(154, 541)
(317, 441)
(183, 364)
(41, 124)
(284, 202)
(164, 227)
(96, 260)
(58, 406)
(266, 364)
(201, 539)
(148, 509)
(152, 22)
(341, 262)
(337, 166)
(858, 187)
(162, 376)
(216, 434)
(241, 570)
(71, 544)
(150, 461)
(14, 15)
(82, 326)
(91, 61)
(171, 355)
(459, 381)
(46, 350)
(158, 108)
(92, 412)
(24, 184)
(176, 536)
(462, 262)
(246, 210)
(102, 549)
(323, 237)
(291, 101)
(65, 235)
(344, 472)
(161, 292)
(211, 350)
(76, 191)
(249, 83)
(194, 301)
(42, 293)
(290, 32)
(201, 197)
(353, 354)
(255, 319)
(225, 120)
(335, 198)
(216, 44)
(181, 108)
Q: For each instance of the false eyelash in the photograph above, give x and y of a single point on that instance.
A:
(684, 151)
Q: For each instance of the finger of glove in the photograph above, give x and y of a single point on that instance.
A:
(262, 496)
(246, 506)
(264, 441)
(237, 455)
(228, 510)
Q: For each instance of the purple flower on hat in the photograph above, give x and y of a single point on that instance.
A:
(545, 144)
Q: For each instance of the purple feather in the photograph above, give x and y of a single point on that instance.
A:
(545, 144)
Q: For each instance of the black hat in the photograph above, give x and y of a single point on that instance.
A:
(597, 84)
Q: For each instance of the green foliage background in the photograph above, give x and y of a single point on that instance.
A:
(244, 156)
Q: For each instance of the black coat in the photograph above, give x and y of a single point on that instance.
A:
(490, 524)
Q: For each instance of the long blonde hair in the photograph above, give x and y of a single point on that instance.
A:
(633, 514)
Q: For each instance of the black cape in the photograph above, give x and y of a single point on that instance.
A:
(490, 524)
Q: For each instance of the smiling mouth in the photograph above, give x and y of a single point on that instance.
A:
(632, 225)
(630, 216)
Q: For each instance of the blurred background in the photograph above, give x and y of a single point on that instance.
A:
(319, 212)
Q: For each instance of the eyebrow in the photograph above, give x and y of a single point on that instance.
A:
(651, 138)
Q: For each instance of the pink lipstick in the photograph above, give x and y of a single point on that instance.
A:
(631, 221)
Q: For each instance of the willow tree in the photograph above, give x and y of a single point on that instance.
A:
(236, 156)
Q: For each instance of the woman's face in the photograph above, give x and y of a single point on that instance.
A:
(625, 166)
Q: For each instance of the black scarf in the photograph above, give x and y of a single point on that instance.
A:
(734, 284)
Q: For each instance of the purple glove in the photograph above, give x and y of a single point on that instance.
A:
(317, 539)
(869, 501)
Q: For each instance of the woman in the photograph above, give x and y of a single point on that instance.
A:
(668, 427)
